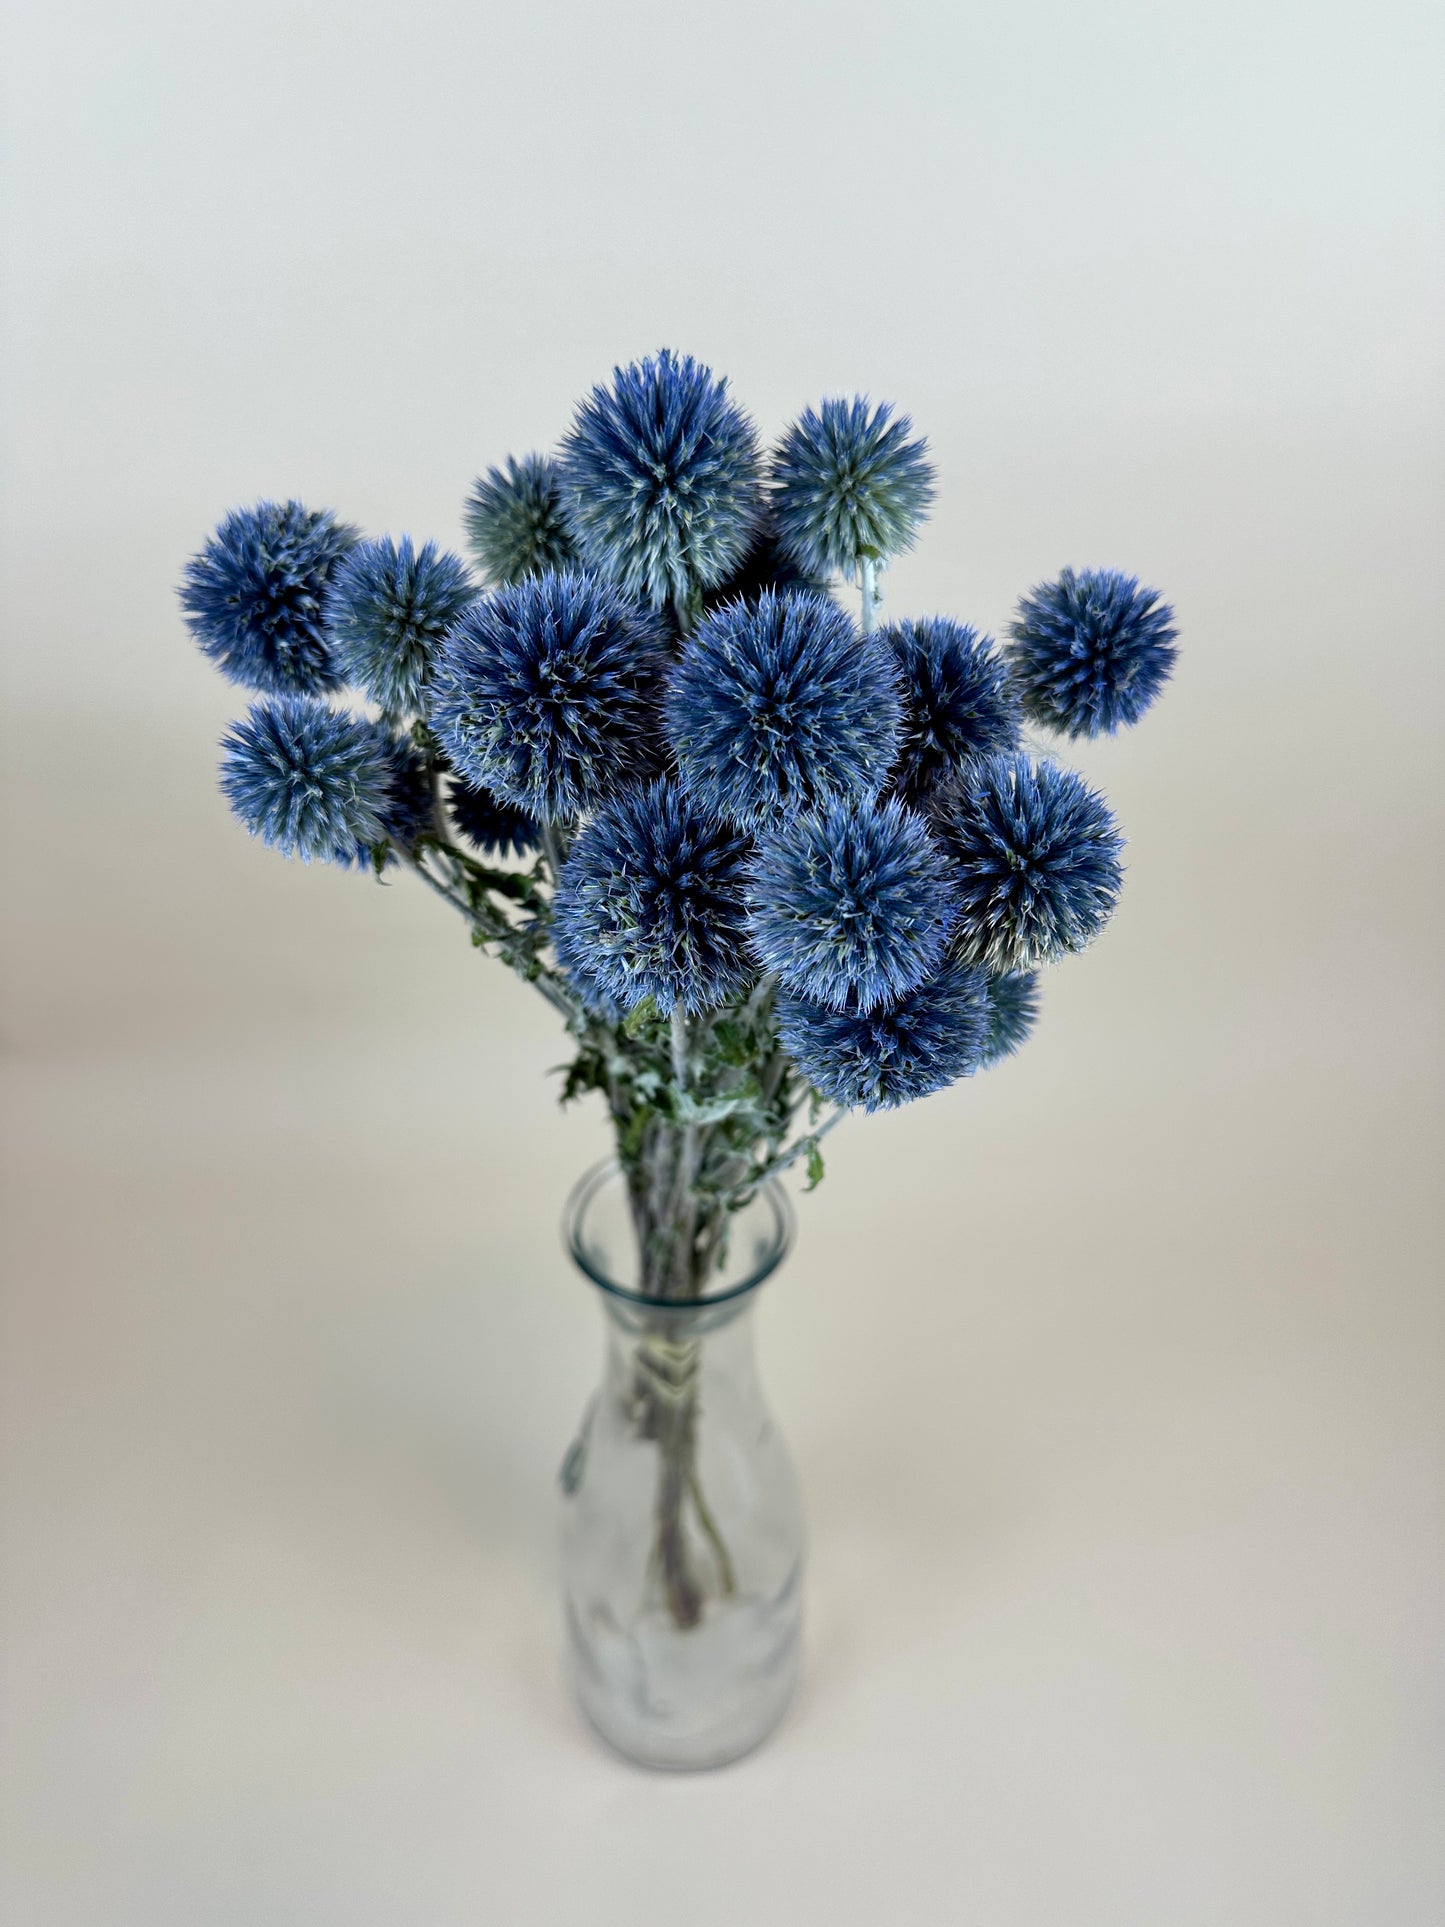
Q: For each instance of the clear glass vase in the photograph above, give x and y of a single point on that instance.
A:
(682, 1533)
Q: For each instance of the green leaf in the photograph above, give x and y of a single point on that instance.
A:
(815, 1165)
(712, 1110)
(734, 1047)
(638, 1019)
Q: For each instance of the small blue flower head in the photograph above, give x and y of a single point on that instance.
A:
(387, 610)
(309, 780)
(547, 694)
(514, 522)
(957, 701)
(650, 903)
(1036, 856)
(253, 597)
(1013, 1008)
(849, 486)
(1091, 651)
(408, 812)
(777, 703)
(661, 481)
(493, 826)
(926, 1040)
(851, 904)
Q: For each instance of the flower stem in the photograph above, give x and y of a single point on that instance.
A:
(868, 574)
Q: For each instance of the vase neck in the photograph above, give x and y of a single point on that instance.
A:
(607, 1243)
(679, 1324)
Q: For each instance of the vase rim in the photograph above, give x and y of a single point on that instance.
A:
(770, 1193)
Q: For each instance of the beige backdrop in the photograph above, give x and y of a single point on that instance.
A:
(1114, 1376)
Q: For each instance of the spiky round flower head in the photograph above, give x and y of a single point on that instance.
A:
(957, 700)
(1013, 1008)
(849, 486)
(926, 1040)
(581, 978)
(851, 904)
(777, 703)
(514, 522)
(492, 825)
(308, 780)
(387, 610)
(661, 482)
(650, 903)
(1036, 855)
(253, 597)
(407, 813)
(547, 693)
(767, 565)
(1091, 651)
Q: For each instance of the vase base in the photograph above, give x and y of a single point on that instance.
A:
(687, 1702)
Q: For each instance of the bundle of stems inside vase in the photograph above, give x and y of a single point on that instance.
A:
(769, 860)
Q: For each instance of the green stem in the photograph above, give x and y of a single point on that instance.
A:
(868, 574)
(495, 928)
(708, 1523)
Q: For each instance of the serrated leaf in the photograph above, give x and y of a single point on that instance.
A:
(640, 1016)
(711, 1110)
(815, 1166)
(733, 1045)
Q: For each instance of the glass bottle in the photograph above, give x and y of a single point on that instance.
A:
(682, 1533)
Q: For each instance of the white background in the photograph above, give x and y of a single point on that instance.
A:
(1114, 1377)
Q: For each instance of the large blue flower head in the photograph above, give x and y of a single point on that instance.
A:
(851, 904)
(547, 693)
(514, 522)
(1013, 1008)
(849, 486)
(492, 825)
(957, 700)
(387, 610)
(930, 1038)
(777, 703)
(1036, 856)
(309, 780)
(253, 597)
(661, 480)
(650, 903)
(1091, 651)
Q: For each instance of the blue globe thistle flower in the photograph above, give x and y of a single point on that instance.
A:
(583, 982)
(387, 610)
(661, 481)
(957, 700)
(1013, 1008)
(407, 813)
(514, 521)
(1091, 651)
(1037, 861)
(928, 1039)
(851, 904)
(253, 597)
(849, 486)
(767, 565)
(309, 780)
(547, 693)
(650, 903)
(777, 703)
(493, 826)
